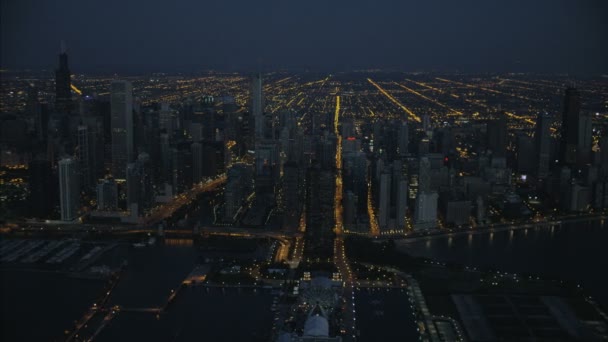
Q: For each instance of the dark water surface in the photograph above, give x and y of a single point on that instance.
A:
(576, 252)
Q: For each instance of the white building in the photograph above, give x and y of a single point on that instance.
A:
(425, 215)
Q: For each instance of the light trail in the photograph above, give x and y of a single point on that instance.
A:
(338, 195)
(395, 101)
(429, 99)
(373, 223)
(428, 86)
(484, 88)
(509, 114)
(76, 90)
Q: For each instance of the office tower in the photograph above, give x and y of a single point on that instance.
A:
(570, 114)
(603, 157)
(63, 95)
(139, 184)
(182, 167)
(38, 113)
(197, 162)
(424, 146)
(267, 167)
(424, 175)
(456, 209)
(426, 123)
(86, 156)
(543, 145)
(233, 195)
(42, 188)
(121, 106)
(166, 119)
(583, 145)
(214, 156)
(575, 146)
(350, 209)
(425, 215)
(497, 136)
(206, 117)
(257, 105)
(385, 200)
(320, 186)
(401, 206)
(525, 154)
(196, 131)
(107, 195)
(291, 196)
(403, 138)
(354, 174)
(238, 187)
(69, 189)
(166, 164)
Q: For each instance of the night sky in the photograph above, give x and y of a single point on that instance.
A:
(322, 35)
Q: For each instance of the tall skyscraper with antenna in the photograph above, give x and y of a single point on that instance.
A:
(63, 95)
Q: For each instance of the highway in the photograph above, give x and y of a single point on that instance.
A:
(340, 260)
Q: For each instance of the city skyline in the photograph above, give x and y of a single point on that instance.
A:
(293, 198)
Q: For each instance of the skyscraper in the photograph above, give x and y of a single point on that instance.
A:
(139, 184)
(63, 95)
(107, 195)
(543, 145)
(575, 144)
(257, 105)
(401, 206)
(403, 138)
(497, 136)
(424, 175)
(425, 214)
(291, 195)
(196, 149)
(385, 200)
(85, 156)
(121, 106)
(69, 189)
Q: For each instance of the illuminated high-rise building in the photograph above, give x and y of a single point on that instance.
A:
(121, 106)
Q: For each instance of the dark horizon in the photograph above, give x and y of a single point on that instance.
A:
(188, 36)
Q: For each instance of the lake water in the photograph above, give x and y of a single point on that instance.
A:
(574, 252)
